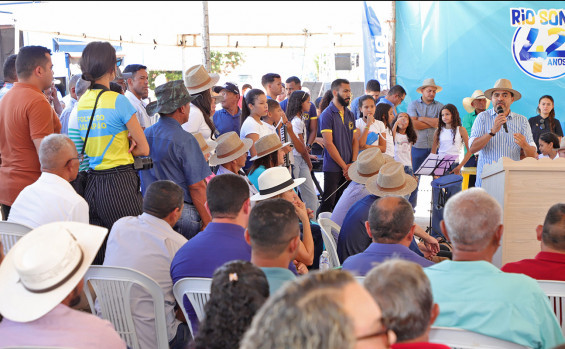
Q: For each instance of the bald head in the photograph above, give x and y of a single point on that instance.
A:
(56, 155)
(471, 219)
(390, 219)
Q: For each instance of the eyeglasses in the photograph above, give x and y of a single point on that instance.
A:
(542, 124)
(71, 159)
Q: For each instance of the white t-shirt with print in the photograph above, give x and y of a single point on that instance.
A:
(260, 128)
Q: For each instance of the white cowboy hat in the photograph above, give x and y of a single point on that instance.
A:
(207, 146)
(275, 181)
(467, 101)
(267, 145)
(427, 83)
(368, 165)
(391, 180)
(197, 79)
(44, 266)
(229, 148)
(504, 85)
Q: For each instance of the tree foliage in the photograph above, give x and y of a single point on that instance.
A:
(225, 62)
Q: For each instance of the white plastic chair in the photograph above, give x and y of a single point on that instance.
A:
(197, 290)
(10, 233)
(326, 226)
(327, 215)
(112, 286)
(555, 290)
(459, 338)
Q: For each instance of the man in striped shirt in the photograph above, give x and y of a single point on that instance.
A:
(487, 137)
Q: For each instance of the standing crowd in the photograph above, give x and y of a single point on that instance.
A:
(174, 188)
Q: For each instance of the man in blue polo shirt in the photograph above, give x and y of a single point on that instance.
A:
(223, 239)
(340, 145)
(228, 118)
(310, 119)
(177, 156)
(391, 227)
(373, 89)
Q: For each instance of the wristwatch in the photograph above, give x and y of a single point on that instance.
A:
(492, 134)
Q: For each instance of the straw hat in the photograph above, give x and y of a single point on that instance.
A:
(267, 145)
(504, 85)
(275, 181)
(197, 79)
(229, 148)
(44, 266)
(427, 83)
(207, 146)
(367, 165)
(467, 101)
(391, 180)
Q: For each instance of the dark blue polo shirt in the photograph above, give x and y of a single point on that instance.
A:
(225, 122)
(353, 237)
(342, 130)
(176, 157)
(360, 264)
(311, 115)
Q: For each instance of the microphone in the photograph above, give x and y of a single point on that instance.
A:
(499, 110)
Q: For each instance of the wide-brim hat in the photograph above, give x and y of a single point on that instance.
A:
(274, 181)
(197, 79)
(44, 266)
(267, 145)
(504, 85)
(428, 83)
(206, 145)
(391, 180)
(467, 101)
(368, 165)
(229, 148)
(170, 96)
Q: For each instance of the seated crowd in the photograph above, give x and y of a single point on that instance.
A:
(174, 189)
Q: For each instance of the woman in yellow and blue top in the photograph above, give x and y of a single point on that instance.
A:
(112, 189)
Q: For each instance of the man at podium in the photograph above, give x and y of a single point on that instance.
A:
(499, 132)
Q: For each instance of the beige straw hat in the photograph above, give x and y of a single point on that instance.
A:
(197, 79)
(207, 146)
(391, 180)
(467, 101)
(504, 85)
(267, 145)
(44, 266)
(367, 165)
(229, 148)
(427, 83)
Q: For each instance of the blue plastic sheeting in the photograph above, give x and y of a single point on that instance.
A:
(468, 45)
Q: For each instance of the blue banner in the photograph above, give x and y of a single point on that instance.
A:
(468, 45)
(375, 48)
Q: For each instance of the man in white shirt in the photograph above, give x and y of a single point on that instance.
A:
(148, 243)
(138, 90)
(52, 198)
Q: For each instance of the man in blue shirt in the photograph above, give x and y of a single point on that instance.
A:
(475, 295)
(10, 75)
(373, 89)
(177, 156)
(223, 239)
(394, 97)
(340, 145)
(274, 236)
(311, 118)
(229, 118)
(391, 227)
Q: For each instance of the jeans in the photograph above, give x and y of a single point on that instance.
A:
(412, 198)
(307, 189)
(418, 157)
(181, 338)
(189, 223)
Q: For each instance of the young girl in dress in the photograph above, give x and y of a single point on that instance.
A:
(450, 136)
(254, 107)
(404, 138)
(384, 113)
(548, 145)
(370, 128)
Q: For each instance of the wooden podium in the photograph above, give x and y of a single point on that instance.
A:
(526, 190)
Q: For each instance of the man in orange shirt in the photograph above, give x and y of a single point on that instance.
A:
(25, 118)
